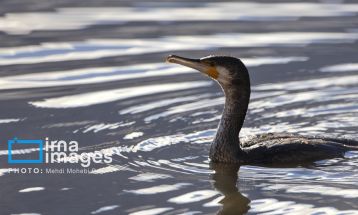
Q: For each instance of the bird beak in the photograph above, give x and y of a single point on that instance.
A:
(195, 64)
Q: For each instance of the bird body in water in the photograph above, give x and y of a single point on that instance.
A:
(233, 77)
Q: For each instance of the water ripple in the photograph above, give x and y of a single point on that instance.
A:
(99, 48)
(100, 97)
(82, 17)
(346, 67)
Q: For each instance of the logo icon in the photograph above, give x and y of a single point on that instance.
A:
(15, 141)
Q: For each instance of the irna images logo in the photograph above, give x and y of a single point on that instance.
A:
(54, 151)
(15, 141)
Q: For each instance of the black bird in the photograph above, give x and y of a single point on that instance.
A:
(233, 77)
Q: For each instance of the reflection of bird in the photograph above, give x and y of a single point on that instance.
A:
(224, 180)
(234, 79)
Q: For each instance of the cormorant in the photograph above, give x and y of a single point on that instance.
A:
(233, 77)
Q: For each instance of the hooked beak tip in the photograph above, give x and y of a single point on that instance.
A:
(171, 59)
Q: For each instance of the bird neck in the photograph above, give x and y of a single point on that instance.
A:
(226, 145)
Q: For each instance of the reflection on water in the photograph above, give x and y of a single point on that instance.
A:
(107, 74)
(105, 208)
(93, 98)
(158, 189)
(77, 18)
(224, 180)
(8, 120)
(100, 48)
(347, 67)
(274, 206)
(31, 189)
(96, 75)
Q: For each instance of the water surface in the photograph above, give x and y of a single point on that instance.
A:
(96, 74)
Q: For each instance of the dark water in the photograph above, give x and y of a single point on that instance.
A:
(95, 73)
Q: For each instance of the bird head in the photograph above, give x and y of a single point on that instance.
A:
(224, 69)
